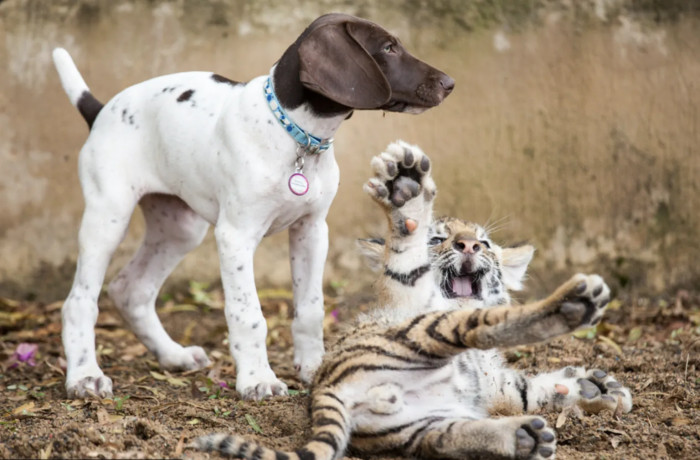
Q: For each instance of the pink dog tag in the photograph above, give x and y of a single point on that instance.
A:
(298, 184)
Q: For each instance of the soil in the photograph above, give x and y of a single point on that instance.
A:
(651, 345)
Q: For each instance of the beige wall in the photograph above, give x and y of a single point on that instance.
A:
(575, 126)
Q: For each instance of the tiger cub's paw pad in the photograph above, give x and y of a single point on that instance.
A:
(601, 391)
(401, 174)
(585, 303)
(535, 440)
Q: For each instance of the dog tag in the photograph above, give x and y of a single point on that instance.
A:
(298, 184)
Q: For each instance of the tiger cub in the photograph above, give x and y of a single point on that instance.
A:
(420, 376)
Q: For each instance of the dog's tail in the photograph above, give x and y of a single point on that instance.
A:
(75, 87)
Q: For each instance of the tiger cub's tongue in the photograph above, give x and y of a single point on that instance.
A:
(462, 286)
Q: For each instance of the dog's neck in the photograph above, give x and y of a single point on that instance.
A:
(313, 112)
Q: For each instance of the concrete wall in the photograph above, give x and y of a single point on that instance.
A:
(574, 125)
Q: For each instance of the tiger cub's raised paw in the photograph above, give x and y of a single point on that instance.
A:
(402, 182)
(582, 300)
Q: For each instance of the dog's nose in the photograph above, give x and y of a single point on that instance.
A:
(447, 83)
(467, 246)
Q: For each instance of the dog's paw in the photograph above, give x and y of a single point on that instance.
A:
(93, 385)
(184, 359)
(534, 440)
(402, 176)
(257, 389)
(583, 301)
(306, 362)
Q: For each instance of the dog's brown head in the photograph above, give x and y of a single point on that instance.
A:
(357, 64)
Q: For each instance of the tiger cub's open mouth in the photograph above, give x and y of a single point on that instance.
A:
(463, 284)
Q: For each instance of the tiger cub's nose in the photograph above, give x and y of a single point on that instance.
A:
(467, 246)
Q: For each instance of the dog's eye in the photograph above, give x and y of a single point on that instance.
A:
(434, 241)
(486, 243)
(389, 48)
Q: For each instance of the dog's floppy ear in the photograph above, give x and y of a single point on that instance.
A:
(334, 63)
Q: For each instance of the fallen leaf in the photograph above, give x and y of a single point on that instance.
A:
(680, 421)
(158, 376)
(253, 424)
(176, 382)
(611, 342)
(194, 421)
(24, 409)
(45, 453)
(614, 442)
(635, 334)
(562, 417)
(180, 446)
(587, 333)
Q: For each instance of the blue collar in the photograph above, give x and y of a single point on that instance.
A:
(306, 141)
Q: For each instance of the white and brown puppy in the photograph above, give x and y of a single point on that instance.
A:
(194, 149)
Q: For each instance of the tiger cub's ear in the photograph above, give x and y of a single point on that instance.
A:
(373, 250)
(515, 261)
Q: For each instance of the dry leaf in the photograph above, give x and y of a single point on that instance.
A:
(563, 415)
(180, 446)
(680, 421)
(45, 453)
(24, 409)
(611, 342)
(158, 376)
(614, 442)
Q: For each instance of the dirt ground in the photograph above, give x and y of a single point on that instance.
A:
(651, 345)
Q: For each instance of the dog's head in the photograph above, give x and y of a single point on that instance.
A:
(357, 64)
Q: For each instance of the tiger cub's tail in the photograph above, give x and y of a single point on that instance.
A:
(330, 436)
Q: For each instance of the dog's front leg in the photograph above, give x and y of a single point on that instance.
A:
(246, 324)
(308, 246)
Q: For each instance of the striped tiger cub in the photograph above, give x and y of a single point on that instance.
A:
(421, 376)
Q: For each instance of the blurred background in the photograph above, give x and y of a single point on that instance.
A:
(574, 125)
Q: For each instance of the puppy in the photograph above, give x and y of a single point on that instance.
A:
(196, 149)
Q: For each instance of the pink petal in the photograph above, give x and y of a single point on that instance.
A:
(25, 353)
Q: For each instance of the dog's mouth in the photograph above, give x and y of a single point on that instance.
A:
(465, 284)
(404, 107)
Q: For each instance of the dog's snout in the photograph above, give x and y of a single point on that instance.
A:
(467, 246)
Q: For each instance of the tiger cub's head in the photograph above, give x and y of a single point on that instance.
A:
(469, 267)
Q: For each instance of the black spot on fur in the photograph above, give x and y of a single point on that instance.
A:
(89, 107)
(185, 96)
(221, 79)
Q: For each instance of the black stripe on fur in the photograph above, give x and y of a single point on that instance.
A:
(521, 385)
(410, 278)
(435, 335)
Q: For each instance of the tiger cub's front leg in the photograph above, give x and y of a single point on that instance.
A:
(403, 187)
(578, 303)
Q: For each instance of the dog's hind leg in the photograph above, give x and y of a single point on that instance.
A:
(104, 223)
(172, 230)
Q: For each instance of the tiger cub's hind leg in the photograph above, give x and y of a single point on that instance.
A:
(525, 437)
